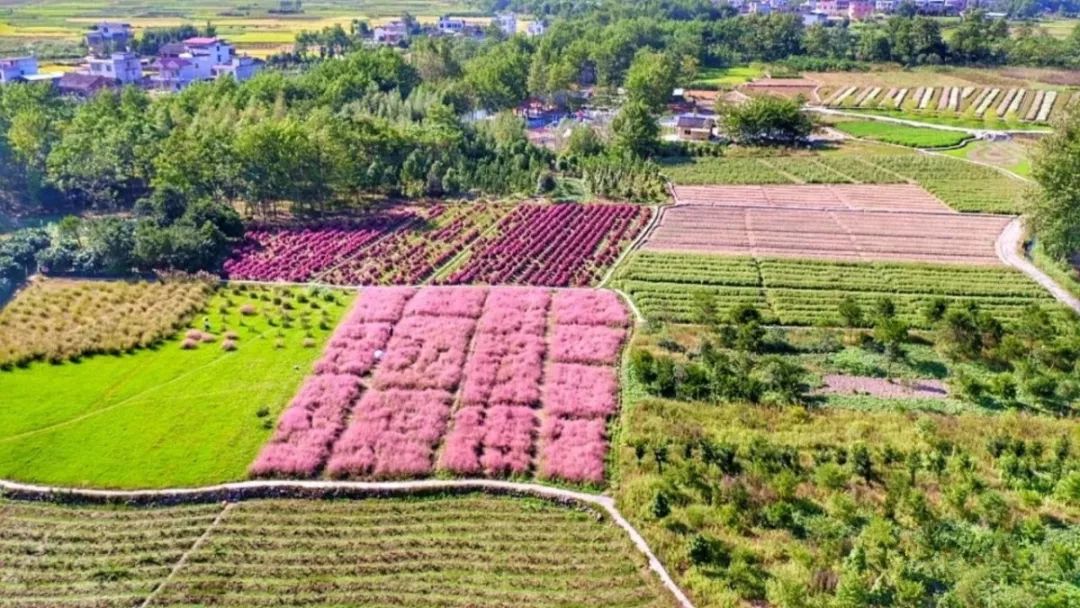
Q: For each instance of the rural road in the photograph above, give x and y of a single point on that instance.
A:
(252, 490)
(916, 123)
(1008, 247)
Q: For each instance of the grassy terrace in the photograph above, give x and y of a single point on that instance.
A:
(167, 416)
(455, 552)
(963, 186)
(798, 292)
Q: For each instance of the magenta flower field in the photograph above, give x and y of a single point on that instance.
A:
(470, 381)
(553, 245)
(566, 245)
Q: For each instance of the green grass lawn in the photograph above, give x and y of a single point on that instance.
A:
(913, 137)
(163, 417)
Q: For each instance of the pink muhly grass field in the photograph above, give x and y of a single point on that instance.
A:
(465, 302)
(504, 369)
(393, 434)
(308, 427)
(528, 399)
(593, 344)
(497, 441)
(580, 391)
(385, 304)
(514, 310)
(573, 449)
(352, 348)
(424, 353)
(589, 307)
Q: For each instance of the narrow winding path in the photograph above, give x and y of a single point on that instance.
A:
(252, 490)
(1008, 249)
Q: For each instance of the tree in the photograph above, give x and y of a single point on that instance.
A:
(498, 78)
(635, 130)
(1054, 208)
(765, 119)
(651, 79)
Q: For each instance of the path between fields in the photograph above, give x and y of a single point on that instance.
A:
(1008, 247)
(251, 490)
(926, 125)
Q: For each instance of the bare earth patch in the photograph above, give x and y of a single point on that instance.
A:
(850, 197)
(884, 387)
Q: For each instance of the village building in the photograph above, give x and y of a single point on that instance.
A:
(198, 59)
(107, 37)
(694, 127)
(506, 22)
(122, 67)
(451, 26)
(82, 84)
(15, 69)
(393, 33)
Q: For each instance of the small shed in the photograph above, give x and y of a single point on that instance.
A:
(694, 127)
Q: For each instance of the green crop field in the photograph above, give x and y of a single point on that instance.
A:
(961, 185)
(802, 292)
(454, 552)
(167, 416)
(914, 137)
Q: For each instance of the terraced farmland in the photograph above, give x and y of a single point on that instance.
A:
(467, 551)
(960, 185)
(852, 223)
(791, 292)
(1014, 105)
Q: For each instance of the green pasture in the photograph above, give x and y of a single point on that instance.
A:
(166, 416)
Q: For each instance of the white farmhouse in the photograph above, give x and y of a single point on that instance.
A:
(122, 67)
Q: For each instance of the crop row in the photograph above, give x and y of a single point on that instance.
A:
(532, 244)
(492, 552)
(467, 380)
(553, 245)
(794, 292)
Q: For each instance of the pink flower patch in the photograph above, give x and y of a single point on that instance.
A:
(592, 344)
(380, 304)
(465, 302)
(308, 427)
(589, 307)
(580, 391)
(425, 353)
(393, 434)
(574, 449)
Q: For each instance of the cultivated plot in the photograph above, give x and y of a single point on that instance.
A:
(503, 382)
(466, 551)
(809, 292)
(562, 245)
(853, 223)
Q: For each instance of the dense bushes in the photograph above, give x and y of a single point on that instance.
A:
(831, 508)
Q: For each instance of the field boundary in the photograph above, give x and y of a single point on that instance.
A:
(270, 489)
